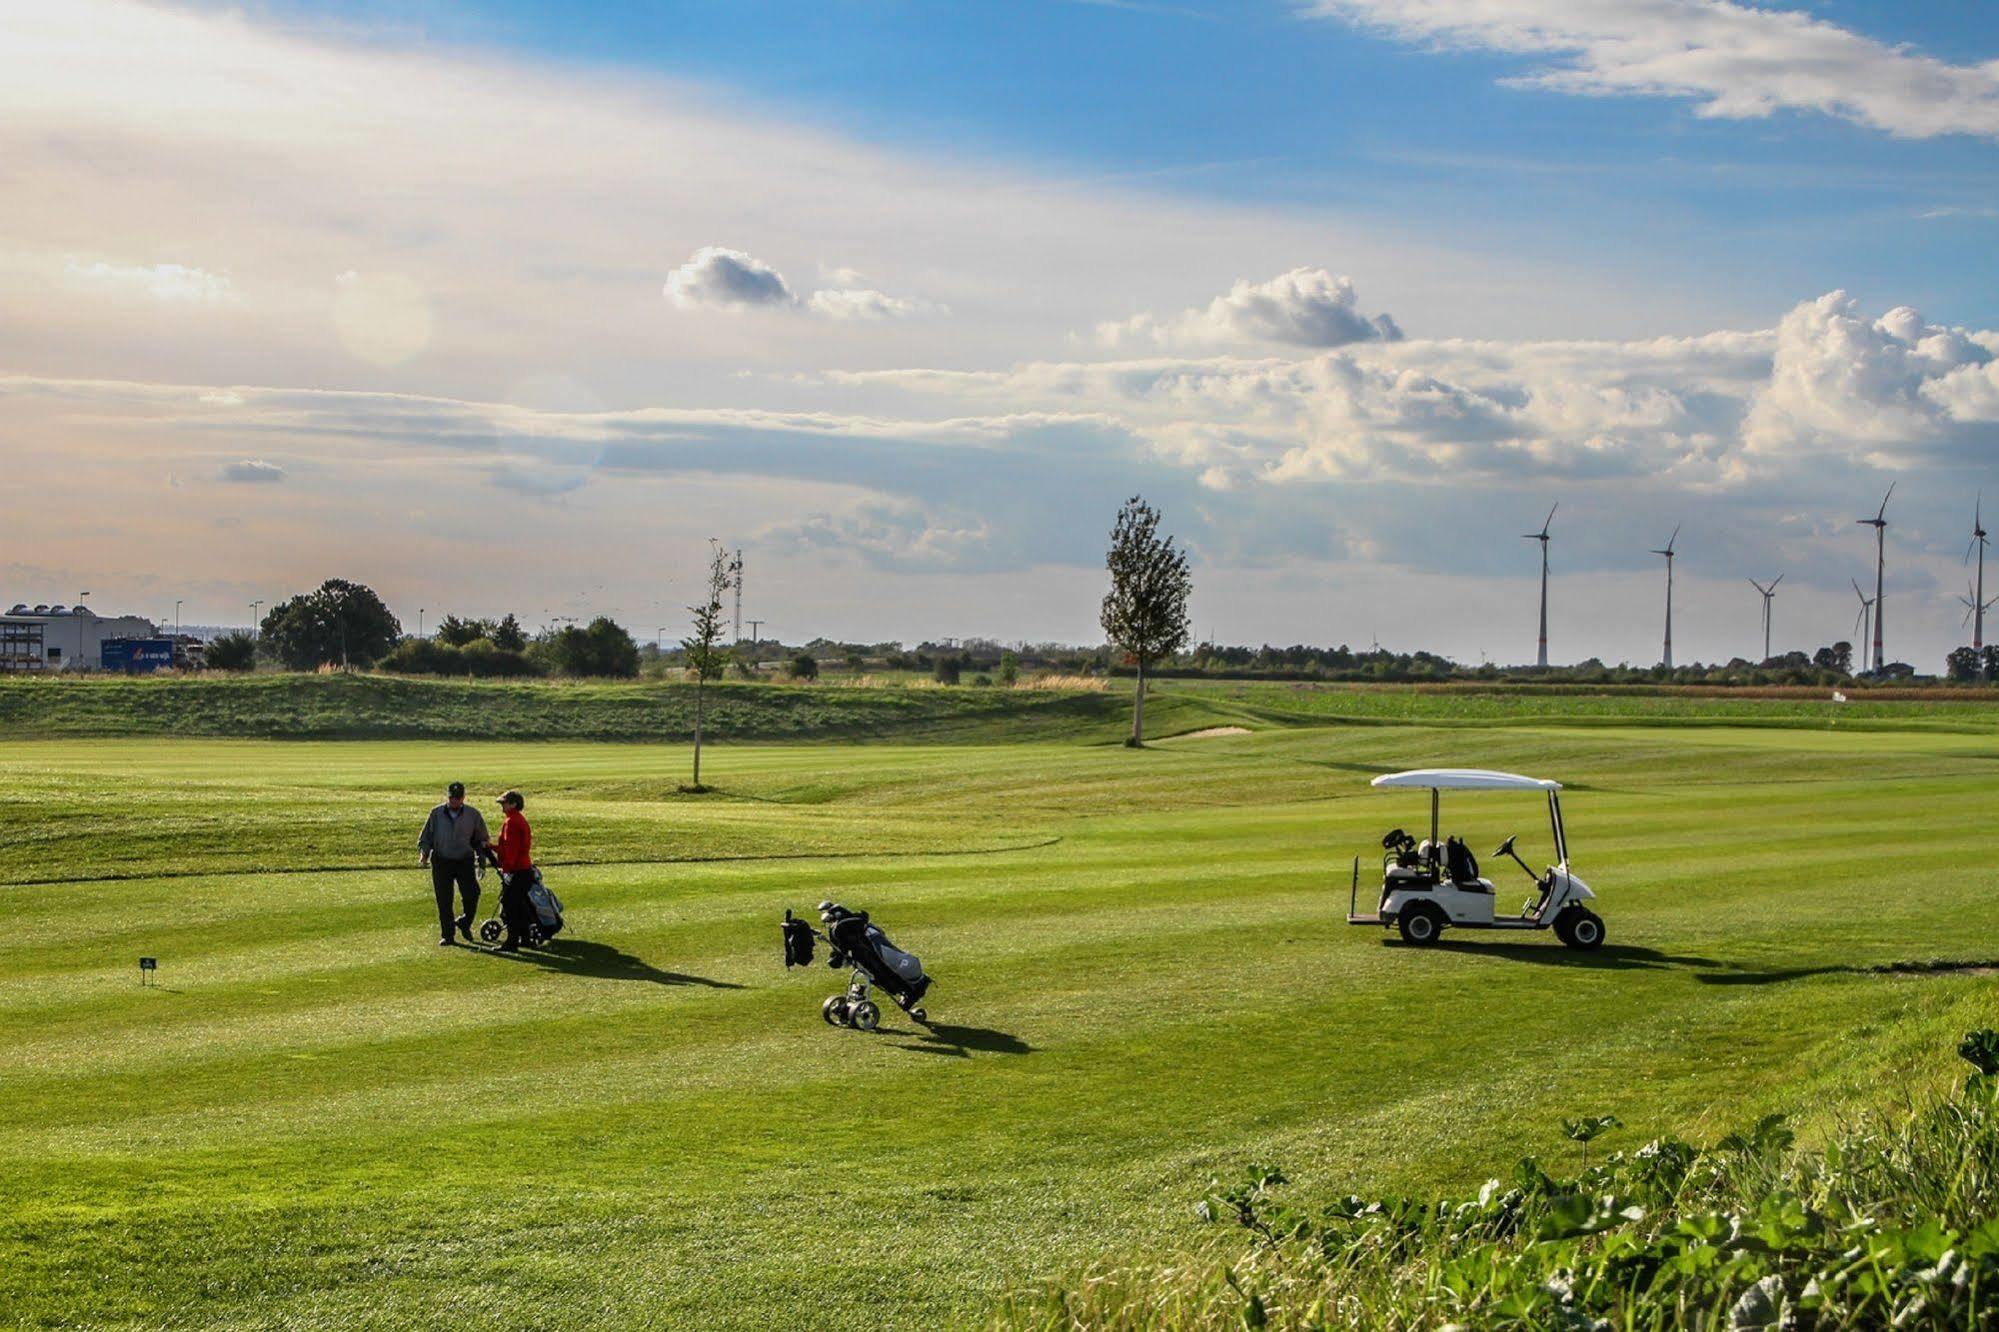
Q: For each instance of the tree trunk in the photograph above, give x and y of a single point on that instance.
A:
(698, 690)
(1138, 709)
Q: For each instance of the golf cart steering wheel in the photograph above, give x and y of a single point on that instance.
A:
(1505, 847)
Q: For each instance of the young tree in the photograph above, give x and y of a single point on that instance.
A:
(805, 666)
(1145, 612)
(703, 657)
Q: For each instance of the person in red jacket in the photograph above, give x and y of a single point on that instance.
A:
(515, 852)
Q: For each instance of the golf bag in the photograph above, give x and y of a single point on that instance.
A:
(547, 908)
(854, 941)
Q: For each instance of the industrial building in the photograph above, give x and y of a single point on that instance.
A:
(76, 638)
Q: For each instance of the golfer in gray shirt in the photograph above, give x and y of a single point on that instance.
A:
(453, 837)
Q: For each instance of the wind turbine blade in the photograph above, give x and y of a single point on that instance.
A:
(1548, 522)
(1882, 516)
(1856, 590)
(1774, 581)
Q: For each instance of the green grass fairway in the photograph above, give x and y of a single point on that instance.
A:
(320, 1119)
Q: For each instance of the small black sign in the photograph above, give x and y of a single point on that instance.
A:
(149, 964)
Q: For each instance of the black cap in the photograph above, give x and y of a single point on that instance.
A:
(513, 798)
(456, 790)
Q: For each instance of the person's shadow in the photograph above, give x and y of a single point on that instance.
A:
(586, 957)
(942, 1038)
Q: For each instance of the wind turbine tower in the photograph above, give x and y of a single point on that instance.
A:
(1879, 522)
(1979, 605)
(1541, 656)
(1769, 595)
(1862, 620)
(1668, 553)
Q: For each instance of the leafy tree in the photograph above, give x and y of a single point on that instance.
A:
(805, 666)
(1838, 657)
(507, 634)
(1009, 668)
(1962, 664)
(602, 648)
(1145, 612)
(703, 658)
(950, 668)
(232, 652)
(454, 632)
(338, 623)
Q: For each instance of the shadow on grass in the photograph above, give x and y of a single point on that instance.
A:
(1707, 970)
(959, 1042)
(582, 957)
(1610, 957)
(1933, 967)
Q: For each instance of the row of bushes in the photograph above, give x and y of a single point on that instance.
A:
(1892, 1224)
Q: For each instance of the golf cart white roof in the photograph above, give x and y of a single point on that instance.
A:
(1465, 779)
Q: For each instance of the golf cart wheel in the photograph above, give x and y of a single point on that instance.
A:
(1585, 930)
(1420, 925)
(534, 938)
(920, 1016)
(490, 931)
(834, 1010)
(865, 1016)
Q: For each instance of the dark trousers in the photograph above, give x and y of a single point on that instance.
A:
(446, 875)
(515, 909)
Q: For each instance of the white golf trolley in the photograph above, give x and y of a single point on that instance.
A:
(1428, 887)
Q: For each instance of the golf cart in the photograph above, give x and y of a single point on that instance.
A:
(1428, 887)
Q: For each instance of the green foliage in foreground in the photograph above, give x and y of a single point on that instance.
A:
(1894, 1223)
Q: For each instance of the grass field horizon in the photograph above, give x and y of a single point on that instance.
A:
(319, 1118)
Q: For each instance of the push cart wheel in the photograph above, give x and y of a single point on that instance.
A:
(1585, 930)
(534, 938)
(920, 1016)
(1420, 925)
(865, 1016)
(834, 1010)
(490, 931)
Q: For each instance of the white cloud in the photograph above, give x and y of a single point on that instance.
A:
(1736, 61)
(254, 470)
(1306, 307)
(1885, 391)
(718, 277)
(864, 303)
(171, 283)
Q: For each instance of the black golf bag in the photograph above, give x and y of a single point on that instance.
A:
(853, 941)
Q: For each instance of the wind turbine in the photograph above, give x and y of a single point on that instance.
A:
(1979, 605)
(1769, 595)
(1861, 621)
(1668, 553)
(1879, 522)
(1541, 657)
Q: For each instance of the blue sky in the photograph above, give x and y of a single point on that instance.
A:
(1249, 100)
(899, 296)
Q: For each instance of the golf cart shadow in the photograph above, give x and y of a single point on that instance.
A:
(942, 1038)
(1610, 957)
(584, 957)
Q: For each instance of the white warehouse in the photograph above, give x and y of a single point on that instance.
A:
(63, 638)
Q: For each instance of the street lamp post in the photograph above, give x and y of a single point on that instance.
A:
(419, 622)
(256, 623)
(177, 606)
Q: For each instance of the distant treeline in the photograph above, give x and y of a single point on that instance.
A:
(346, 624)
